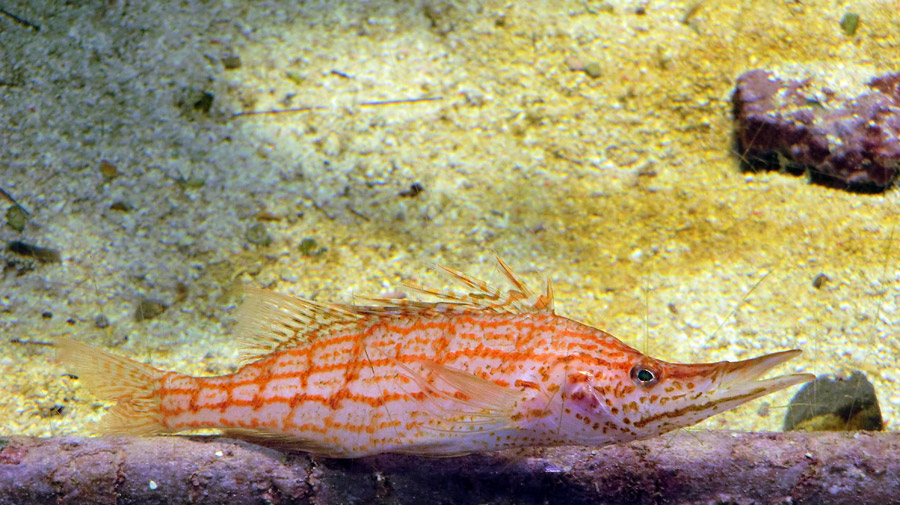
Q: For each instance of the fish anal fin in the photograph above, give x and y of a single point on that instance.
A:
(283, 441)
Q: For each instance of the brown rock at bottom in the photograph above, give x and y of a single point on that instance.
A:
(696, 467)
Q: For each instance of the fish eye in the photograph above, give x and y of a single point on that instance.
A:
(644, 376)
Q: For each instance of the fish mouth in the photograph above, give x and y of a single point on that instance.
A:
(730, 384)
(742, 378)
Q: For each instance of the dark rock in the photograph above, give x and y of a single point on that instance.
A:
(42, 254)
(16, 218)
(194, 102)
(787, 125)
(849, 23)
(231, 62)
(309, 247)
(835, 404)
(415, 189)
(121, 206)
(148, 309)
(258, 235)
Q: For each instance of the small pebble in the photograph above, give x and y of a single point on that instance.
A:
(100, 321)
(108, 169)
(190, 101)
(148, 309)
(258, 235)
(295, 77)
(637, 255)
(820, 280)
(593, 70)
(194, 182)
(308, 246)
(16, 218)
(849, 23)
(204, 102)
(121, 206)
(231, 62)
(415, 189)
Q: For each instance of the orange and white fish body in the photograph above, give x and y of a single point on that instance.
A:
(480, 372)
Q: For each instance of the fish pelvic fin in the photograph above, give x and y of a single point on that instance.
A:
(131, 385)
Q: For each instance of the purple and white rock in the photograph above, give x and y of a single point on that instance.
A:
(852, 143)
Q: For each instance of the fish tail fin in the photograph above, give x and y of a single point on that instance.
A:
(133, 386)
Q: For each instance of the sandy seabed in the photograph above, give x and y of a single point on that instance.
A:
(588, 142)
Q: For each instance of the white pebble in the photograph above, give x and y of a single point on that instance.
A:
(637, 255)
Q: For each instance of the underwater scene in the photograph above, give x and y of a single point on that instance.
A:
(704, 180)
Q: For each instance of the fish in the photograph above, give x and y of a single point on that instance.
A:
(485, 370)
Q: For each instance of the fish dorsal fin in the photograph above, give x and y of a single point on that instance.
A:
(481, 296)
(270, 321)
(484, 296)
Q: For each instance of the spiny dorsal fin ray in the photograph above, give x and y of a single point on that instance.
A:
(482, 296)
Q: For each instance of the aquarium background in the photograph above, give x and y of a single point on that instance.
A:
(588, 142)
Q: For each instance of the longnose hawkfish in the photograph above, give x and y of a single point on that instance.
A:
(483, 371)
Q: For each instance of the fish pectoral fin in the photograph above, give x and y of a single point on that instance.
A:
(458, 400)
(471, 390)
